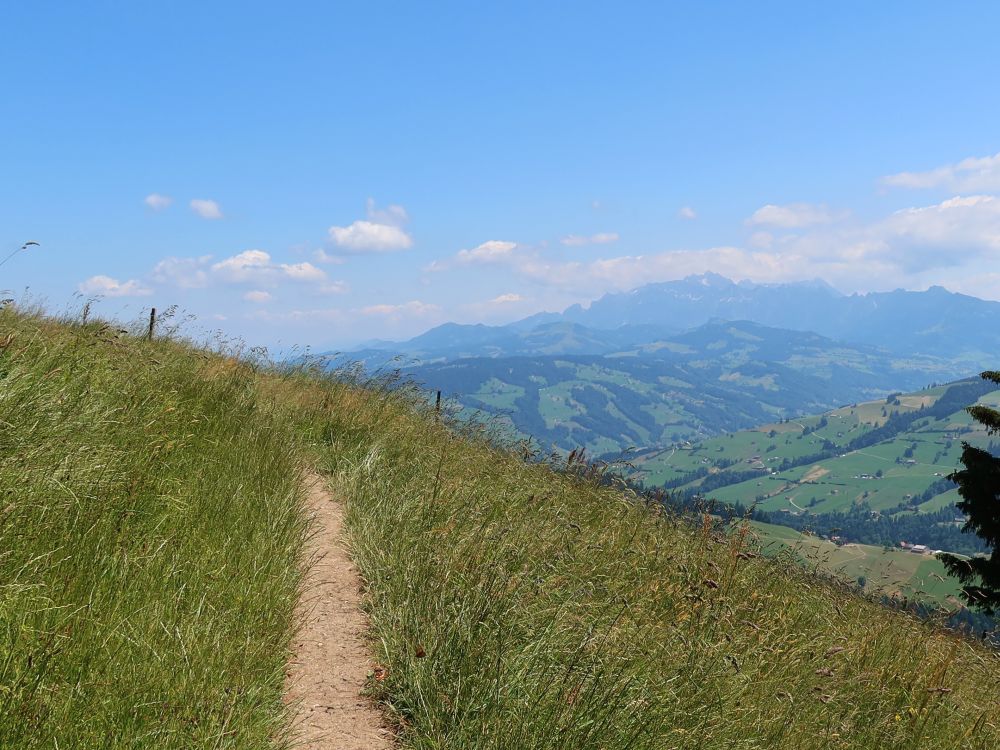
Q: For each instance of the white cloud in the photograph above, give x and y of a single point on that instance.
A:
(950, 232)
(909, 248)
(250, 265)
(206, 209)
(158, 202)
(259, 296)
(490, 251)
(505, 307)
(975, 174)
(381, 232)
(370, 237)
(255, 266)
(416, 307)
(687, 213)
(392, 214)
(304, 271)
(601, 238)
(335, 287)
(588, 280)
(109, 287)
(953, 232)
(322, 256)
(955, 240)
(791, 216)
(186, 273)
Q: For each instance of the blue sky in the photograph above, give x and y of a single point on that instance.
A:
(319, 174)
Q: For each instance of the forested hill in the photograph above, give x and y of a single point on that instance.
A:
(720, 377)
(872, 473)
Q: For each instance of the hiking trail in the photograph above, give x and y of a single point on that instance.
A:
(330, 660)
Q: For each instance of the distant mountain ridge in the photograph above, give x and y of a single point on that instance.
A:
(694, 357)
(934, 322)
(721, 376)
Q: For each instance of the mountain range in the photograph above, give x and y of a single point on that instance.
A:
(695, 357)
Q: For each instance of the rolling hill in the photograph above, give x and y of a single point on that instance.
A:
(956, 328)
(846, 489)
(872, 472)
(689, 359)
(153, 529)
(719, 377)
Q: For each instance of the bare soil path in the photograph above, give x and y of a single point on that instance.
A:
(330, 659)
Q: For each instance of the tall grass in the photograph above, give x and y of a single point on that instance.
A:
(150, 524)
(151, 533)
(516, 607)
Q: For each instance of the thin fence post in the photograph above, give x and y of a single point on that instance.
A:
(437, 403)
(152, 323)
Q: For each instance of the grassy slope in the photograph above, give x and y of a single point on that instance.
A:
(516, 607)
(834, 484)
(151, 526)
(148, 530)
(887, 571)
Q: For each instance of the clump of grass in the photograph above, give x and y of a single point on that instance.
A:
(150, 524)
(513, 607)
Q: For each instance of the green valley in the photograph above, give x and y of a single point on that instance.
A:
(844, 490)
(662, 390)
(881, 454)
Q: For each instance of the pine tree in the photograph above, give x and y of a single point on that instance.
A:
(979, 485)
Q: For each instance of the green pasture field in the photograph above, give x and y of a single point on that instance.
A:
(909, 463)
(894, 572)
(499, 395)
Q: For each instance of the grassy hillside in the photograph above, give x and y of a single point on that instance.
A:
(894, 572)
(721, 376)
(149, 528)
(151, 531)
(517, 607)
(869, 472)
(933, 444)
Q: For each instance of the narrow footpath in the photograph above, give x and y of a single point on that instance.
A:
(330, 660)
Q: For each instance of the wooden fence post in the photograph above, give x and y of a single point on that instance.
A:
(152, 324)
(437, 403)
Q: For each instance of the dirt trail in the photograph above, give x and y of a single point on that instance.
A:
(330, 659)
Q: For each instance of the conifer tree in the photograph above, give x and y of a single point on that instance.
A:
(979, 485)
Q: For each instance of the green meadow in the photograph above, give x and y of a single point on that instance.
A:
(152, 528)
